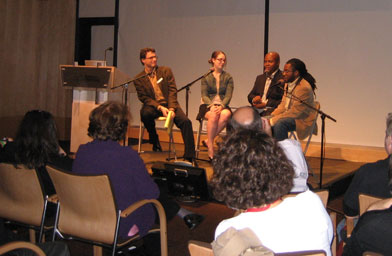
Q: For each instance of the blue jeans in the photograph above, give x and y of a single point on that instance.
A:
(281, 129)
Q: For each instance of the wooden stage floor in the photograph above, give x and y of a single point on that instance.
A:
(333, 170)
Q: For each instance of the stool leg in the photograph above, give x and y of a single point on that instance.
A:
(197, 149)
(171, 144)
(141, 132)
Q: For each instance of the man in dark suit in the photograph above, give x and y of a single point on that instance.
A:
(266, 94)
(157, 91)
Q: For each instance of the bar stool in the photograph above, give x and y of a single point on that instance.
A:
(313, 130)
(169, 128)
(199, 132)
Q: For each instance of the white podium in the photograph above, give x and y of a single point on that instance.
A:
(91, 86)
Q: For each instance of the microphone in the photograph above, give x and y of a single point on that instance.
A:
(209, 72)
(280, 83)
(153, 70)
(107, 49)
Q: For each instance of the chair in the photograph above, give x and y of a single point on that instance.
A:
(364, 202)
(168, 126)
(200, 131)
(21, 245)
(22, 198)
(87, 211)
(198, 248)
(292, 134)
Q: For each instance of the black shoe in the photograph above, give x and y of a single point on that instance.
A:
(193, 220)
(156, 146)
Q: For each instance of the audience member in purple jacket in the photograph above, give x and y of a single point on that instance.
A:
(126, 170)
(128, 175)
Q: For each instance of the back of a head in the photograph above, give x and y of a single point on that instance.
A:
(250, 165)
(109, 121)
(388, 139)
(245, 118)
(36, 139)
(389, 125)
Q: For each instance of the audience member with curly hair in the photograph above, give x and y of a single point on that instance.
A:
(36, 145)
(252, 174)
(126, 170)
(248, 118)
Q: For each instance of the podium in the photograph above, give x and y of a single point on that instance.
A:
(91, 86)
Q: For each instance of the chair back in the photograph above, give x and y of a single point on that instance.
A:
(198, 248)
(323, 194)
(21, 245)
(87, 206)
(21, 196)
(365, 201)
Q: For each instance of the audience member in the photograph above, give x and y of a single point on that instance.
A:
(292, 114)
(248, 118)
(266, 95)
(216, 91)
(373, 178)
(373, 231)
(252, 174)
(126, 170)
(36, 145)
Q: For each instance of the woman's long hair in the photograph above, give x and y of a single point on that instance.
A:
(36, 139)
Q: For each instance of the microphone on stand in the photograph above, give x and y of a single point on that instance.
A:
(153, 70)
(280, 84)
(107, 49)
(209, 72)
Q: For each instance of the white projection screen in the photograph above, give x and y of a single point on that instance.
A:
(345, 45)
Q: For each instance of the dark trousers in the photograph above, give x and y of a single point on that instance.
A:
(149, 114)
(281, 129)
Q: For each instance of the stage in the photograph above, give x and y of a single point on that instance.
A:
(334, 170)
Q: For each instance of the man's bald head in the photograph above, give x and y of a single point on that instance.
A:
(245, 118)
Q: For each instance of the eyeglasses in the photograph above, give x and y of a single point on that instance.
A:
(221, 60)
(152, 57)
(287, 71)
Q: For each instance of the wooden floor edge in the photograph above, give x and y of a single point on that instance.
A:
(353, 153)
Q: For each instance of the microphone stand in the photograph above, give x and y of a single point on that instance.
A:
(187, 87)
(125, 89)
(323, 116)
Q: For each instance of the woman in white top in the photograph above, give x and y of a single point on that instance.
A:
(252, 174)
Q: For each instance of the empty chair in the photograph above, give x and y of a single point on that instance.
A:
(22, 198)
